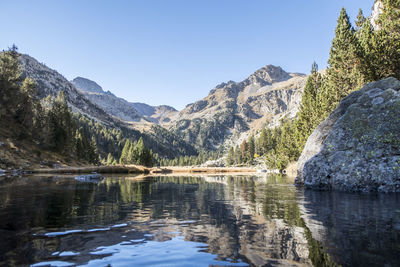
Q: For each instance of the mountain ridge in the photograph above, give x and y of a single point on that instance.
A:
(230, 112)
(235, 108)
(112, 104)
(49, 83)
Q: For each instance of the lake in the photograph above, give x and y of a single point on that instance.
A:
(192, 221)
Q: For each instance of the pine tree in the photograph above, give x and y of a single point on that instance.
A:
(10, 77)
(366, 37)
(309, 115)
(237, 155)
(250, 149)
(125, 154)
(243, 151)
(386, 40)
(142, 155)
(262, 141)
(27, 104)
(360, 19)
(345, 73)
(93, 151)
(230, 157)
(61, 124)
(110, 159)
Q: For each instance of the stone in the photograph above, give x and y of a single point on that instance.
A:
(357, 148)
(91, 178)
(377, 10)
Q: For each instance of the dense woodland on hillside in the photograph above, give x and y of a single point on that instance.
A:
(50, 125)
(359, 54)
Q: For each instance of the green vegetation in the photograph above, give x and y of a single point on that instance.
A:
(136, 154)
(49, 125)
(358, 55)
(201, 158)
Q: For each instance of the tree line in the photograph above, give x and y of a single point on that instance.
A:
(359, 54)
(50, 125)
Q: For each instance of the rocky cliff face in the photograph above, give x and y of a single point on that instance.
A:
(376, 11)
(157, 114)
(113, 105)
(50, 82)
(357, 148)
(233, 108)
(87, 85)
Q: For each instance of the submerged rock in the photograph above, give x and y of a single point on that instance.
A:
(95, 177)
(357, 148)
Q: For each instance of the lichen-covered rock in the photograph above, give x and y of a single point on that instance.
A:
(357, 148)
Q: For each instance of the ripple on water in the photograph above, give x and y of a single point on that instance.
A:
(169, 253)
(52, 263)
(75, 231)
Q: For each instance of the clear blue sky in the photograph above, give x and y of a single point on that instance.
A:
(172, 52)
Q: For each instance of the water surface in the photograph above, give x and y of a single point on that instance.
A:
(192, 221)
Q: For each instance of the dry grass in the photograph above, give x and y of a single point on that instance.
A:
(145, 170)
(291, 169)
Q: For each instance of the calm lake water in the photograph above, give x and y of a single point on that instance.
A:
(192, 221)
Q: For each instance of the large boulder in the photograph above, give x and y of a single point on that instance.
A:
(357, 148)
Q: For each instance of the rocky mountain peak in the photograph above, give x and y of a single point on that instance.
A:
(110, 103)
(235, 108)
(50, 82)
(157, 114)
(143, 109)
(267, 75)
(87, 85)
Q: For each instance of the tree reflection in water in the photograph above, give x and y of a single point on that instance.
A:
(218, 219)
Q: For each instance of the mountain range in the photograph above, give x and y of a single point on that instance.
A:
(230, 112)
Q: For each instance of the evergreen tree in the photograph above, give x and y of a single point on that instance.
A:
(93, 154)
(250, 149)
(237, 155)
(386, 41)
(141, 154)
(360, 19)
(61, 125)
(366, 37)
(125, 154)
(110, 159)
(230, 157)
(26, 106)
(309, 115)
(262, 141)
(10, 78)
(345, 72)
(243, 151)
(137, 154)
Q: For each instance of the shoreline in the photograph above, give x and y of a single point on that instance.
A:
(135, 169)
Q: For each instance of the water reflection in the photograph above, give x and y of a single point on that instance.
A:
(355, 229)
(213, 220)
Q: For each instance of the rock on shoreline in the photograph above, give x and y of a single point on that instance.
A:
(357, 148)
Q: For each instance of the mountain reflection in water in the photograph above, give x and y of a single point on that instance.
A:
(196, 221)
